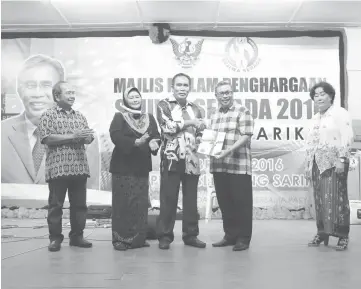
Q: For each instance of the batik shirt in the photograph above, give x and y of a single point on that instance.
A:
(179, 148)
(236, 122)
(66, 159)
(329, 138)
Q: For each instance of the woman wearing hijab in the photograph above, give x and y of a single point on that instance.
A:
(136, 137)
(328, 152)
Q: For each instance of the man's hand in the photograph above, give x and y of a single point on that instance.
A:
(84, 134)
(340, 167)
(88, 139)
(198, 140)
(153, 145)
(308, 175)
(199, 124)
(142, 140)
(222, 154)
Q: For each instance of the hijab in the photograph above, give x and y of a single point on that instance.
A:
(136, 119)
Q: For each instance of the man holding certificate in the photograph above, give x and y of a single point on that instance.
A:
(180, 123)
(231, 168)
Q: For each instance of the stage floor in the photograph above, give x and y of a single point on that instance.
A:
(278, 258)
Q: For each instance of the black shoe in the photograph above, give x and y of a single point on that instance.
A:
(80, 242)
(54, 246)
(317, 240)
(240, 246)
(119, 246)
(164, 244)
(223, 243)
(342, 244)
(194, 242)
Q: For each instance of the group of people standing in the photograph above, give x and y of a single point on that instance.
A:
(135, 135)
(136, 138)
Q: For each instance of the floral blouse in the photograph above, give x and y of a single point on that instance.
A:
(330, 136)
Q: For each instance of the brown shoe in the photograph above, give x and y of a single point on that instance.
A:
(80, 242)
(164, 244)
(119, 246)
(54, 246)
(342, 244)
(223, 243)
(240, 246)
(194, 242)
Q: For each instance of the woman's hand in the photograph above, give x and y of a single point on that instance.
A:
(153, 145)
(142, 140)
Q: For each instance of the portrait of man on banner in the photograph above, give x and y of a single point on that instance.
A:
(22, 156)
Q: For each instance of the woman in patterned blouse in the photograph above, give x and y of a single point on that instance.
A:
(327, 163)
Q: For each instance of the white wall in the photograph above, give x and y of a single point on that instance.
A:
(353, 67)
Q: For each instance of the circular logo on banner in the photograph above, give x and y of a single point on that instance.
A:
(187, 52)
(241, 54)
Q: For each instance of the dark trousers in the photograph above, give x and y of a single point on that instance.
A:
(169, 192)
(76, 187)
(235, 200)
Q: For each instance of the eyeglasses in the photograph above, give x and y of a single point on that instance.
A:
(225, 93)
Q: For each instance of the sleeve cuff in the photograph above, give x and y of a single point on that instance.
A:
(181, 124)
(43, 137)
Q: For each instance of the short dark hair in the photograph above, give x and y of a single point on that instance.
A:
(179, 75)
(222, 83)
(57, 89)
(328, 88)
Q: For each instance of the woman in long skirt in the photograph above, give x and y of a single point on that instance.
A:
(136, 137)
(328, 152)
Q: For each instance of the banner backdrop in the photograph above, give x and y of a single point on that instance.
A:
(271, 76)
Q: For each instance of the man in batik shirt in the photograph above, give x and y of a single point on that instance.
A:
(181, 125)
(64, 132)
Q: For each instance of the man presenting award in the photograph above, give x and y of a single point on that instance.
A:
(231, 168)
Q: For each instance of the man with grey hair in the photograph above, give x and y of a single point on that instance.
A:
(22, 154)
(65, 131)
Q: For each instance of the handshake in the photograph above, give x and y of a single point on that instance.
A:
(83, 135)
(199, 124)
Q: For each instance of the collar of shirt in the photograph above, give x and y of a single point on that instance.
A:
(226, 109)
(328, 112)
(58, 108)
(30, 127)
(172, 99)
